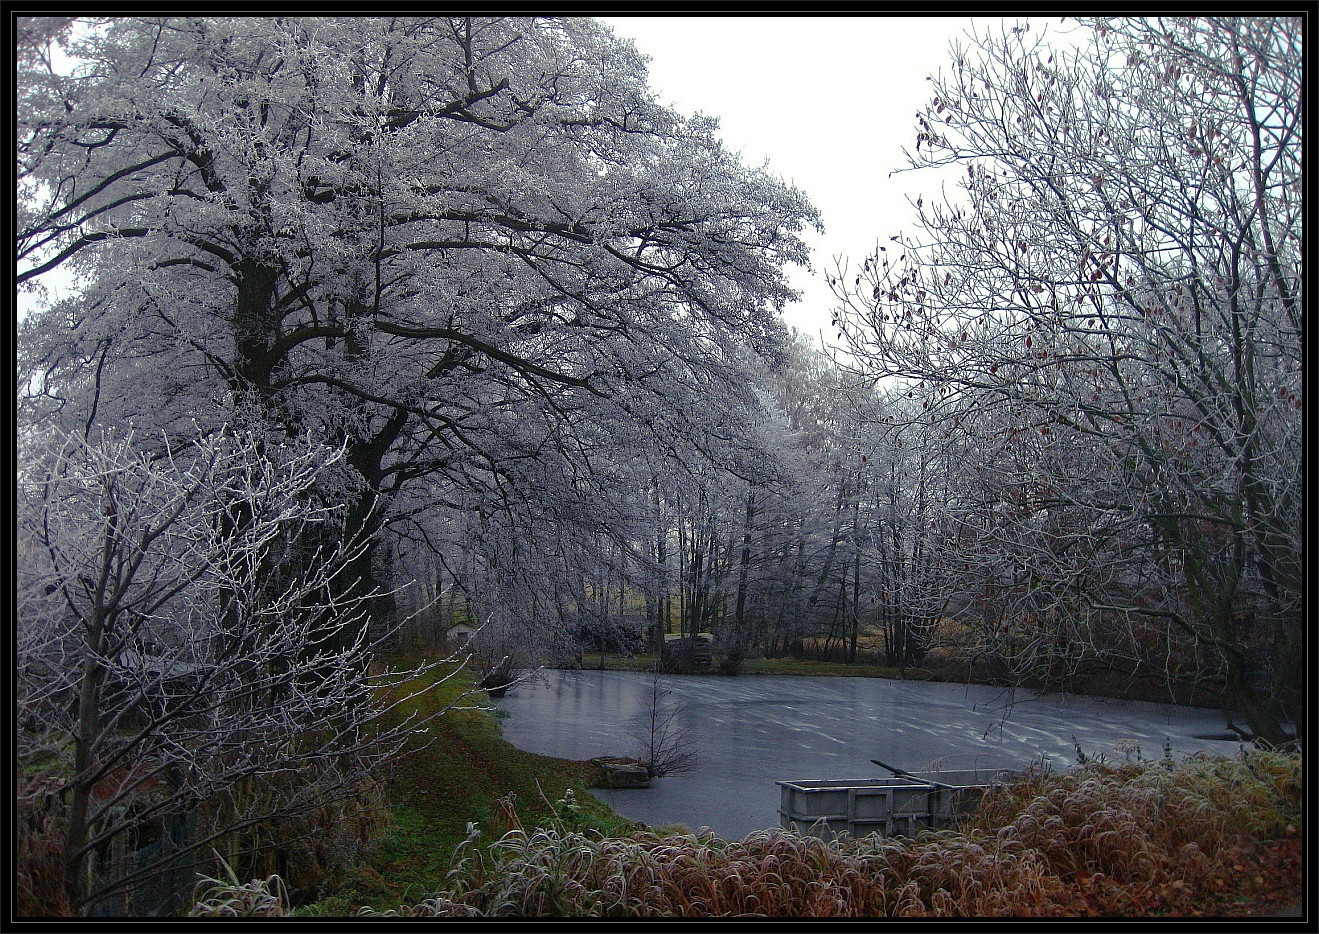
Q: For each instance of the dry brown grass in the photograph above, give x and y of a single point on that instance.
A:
(1136, 839)
(1148, 837)
(39, 842)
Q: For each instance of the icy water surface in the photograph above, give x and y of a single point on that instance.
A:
(755, 730)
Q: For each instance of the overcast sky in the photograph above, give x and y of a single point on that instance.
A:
(829, 101)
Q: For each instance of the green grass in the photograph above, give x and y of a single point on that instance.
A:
(773, 666)
(49, 763)
(459, 771)
(797, 666)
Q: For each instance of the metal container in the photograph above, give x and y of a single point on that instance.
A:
(890, 806)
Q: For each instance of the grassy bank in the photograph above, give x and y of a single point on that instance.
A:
(773, 666)
(1201, 837)
(458, 771)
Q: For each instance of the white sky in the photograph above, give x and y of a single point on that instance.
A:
(829, 101)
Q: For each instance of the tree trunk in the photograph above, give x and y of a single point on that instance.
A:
(743, 574)
(80, 792)
(856, 598)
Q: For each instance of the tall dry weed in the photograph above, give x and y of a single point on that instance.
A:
(1147, 835)
(39, 845)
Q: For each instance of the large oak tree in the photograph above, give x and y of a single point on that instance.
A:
(446, 243)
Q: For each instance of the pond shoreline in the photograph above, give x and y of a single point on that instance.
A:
(1094, 684)
(752, 732)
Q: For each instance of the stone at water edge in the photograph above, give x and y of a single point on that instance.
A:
(622, 772)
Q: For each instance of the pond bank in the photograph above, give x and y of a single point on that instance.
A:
(752, 732)
(1094, 684)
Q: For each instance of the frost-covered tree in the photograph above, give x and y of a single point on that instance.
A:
(462, 248)
(182, 683)
(1112, 304)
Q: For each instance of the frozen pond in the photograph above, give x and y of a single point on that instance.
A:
(755, 730)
